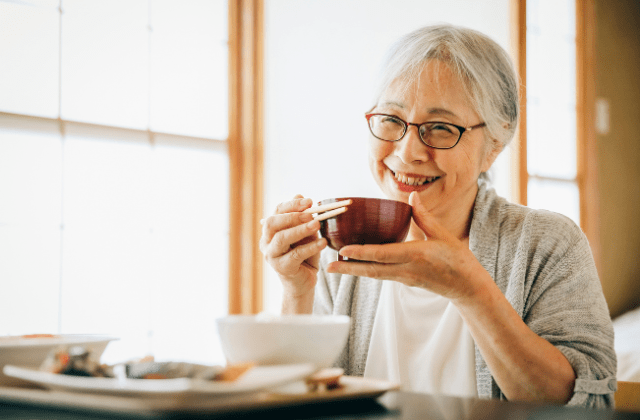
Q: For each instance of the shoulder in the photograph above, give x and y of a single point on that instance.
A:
(518, 224)
(513, 242)
(543, 232)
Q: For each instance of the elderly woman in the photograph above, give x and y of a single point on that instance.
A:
(484, 298)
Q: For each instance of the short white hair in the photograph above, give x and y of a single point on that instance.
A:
(484, 67)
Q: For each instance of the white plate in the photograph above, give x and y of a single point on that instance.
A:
(258, 378)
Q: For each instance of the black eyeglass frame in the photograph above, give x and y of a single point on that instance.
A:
(407, 124)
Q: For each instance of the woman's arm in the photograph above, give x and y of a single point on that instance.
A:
(524, 365)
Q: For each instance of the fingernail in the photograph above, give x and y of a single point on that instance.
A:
(320, 243)
(305, 201)
(314, 224)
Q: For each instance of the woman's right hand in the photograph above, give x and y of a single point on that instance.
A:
(291, 245)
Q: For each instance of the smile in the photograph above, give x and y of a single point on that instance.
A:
(414, 181)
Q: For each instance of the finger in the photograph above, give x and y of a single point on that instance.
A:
(291, 261)
(366, 269)
(299, 203)
(284, 239)
(387, 253)
(305, 241)
(277, 222)
(426, 221)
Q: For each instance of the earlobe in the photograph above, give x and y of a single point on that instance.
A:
(492, 155)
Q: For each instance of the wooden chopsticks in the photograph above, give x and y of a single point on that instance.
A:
(328, 210)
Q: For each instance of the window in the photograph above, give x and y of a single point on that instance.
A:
(114, 172)
(551, 107)
(123, 124)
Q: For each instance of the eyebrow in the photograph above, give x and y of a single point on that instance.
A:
(393, 103)
(430, 111)
(441, 111)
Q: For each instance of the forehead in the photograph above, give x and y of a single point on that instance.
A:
(435, 87)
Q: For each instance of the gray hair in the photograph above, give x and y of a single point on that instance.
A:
(483, 65)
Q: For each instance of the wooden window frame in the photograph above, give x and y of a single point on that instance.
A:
(245, 155)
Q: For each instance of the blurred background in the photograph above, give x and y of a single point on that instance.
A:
(119, 145)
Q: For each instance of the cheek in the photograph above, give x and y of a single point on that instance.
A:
(378, 151)
(472, 158)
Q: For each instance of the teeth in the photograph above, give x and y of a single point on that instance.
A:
(412, 180)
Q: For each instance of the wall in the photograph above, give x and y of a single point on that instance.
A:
(618, 81)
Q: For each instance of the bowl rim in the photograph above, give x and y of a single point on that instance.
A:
(365, 198)
(284, 319)
(18, 341)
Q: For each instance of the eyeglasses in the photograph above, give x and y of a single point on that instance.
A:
(438, 135)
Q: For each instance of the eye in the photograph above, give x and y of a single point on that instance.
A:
(388, 119)
(442, 127)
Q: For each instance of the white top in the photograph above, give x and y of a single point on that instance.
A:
(420, 341)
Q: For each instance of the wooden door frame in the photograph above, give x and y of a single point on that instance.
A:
(518, 12)
(587, 146)
(245, 154)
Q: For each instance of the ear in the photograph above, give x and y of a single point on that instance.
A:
(494, 147)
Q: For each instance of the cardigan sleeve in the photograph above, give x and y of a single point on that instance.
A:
(565, 305)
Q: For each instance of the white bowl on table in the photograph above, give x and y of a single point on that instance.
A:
(283, 339)
(31, 351)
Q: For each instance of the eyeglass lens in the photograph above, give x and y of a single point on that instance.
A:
(434, 134)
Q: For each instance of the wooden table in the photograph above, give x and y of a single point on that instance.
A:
(393, 405)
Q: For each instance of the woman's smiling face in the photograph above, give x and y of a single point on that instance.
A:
(445, 179)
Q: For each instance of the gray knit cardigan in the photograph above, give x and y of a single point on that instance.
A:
(542, 263)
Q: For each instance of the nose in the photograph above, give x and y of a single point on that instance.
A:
(411, 149)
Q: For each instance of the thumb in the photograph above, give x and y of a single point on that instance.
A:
(426, 221)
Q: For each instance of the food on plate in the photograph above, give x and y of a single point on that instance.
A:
(325, 379)
(76, 361)
(39, 336)
(233, 372)
(171, 370)
(10, 338)
(79, 361)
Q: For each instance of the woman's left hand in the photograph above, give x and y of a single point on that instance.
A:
(442, 264)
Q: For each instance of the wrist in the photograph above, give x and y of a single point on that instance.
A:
(297, 303)
(479, 291)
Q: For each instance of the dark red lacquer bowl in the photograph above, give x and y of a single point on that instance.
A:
(367, 221)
